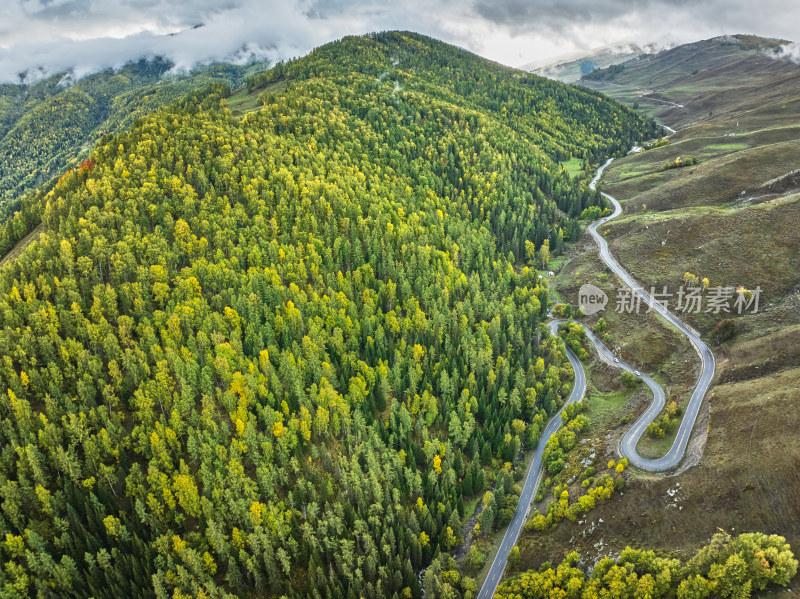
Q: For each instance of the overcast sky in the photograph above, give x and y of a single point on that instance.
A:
(49, 36)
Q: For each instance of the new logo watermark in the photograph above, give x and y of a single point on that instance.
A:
(591, 299)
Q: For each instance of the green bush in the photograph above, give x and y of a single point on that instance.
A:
(679, 162)
(629, 379)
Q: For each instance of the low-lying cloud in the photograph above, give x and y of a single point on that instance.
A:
(64, 36)
(43, 37)
(789, 52)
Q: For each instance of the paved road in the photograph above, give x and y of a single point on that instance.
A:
(631, 438)
(628, 445)
(532, 478)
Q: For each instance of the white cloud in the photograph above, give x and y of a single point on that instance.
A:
(787, 52)
(55, 37)
(49, 36)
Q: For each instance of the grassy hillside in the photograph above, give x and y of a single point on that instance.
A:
(49, 125)
(278, 351)
(733, 218)
(707, 79)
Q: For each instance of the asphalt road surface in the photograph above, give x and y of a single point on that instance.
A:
(631, 438)
(628, 445)
(532, 478)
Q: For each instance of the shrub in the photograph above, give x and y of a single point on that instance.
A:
(601, 325)
(679, 162)
(724, 331)
(664, 141)
(629, 379)
(475, 559)
(591, 213)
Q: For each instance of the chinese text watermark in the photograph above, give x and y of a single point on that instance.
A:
(687, 300)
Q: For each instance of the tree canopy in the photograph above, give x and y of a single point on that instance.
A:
(726, 567)
(49, 124)
(272, 355)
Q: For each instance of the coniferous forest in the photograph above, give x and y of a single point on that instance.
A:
(49, 124)
(276, 354)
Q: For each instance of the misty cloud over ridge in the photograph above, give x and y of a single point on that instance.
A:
(788, 52)
(43, 37)
(61, 35)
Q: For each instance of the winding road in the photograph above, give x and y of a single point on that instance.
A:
(628, 445)
(532, 478)
(631, 438)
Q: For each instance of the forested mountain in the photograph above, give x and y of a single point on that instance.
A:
(47, 124)
(275, 355)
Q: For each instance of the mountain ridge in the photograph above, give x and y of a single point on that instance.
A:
(278, 352)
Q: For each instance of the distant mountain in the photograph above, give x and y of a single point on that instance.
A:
(570, 68)
(694, 82)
